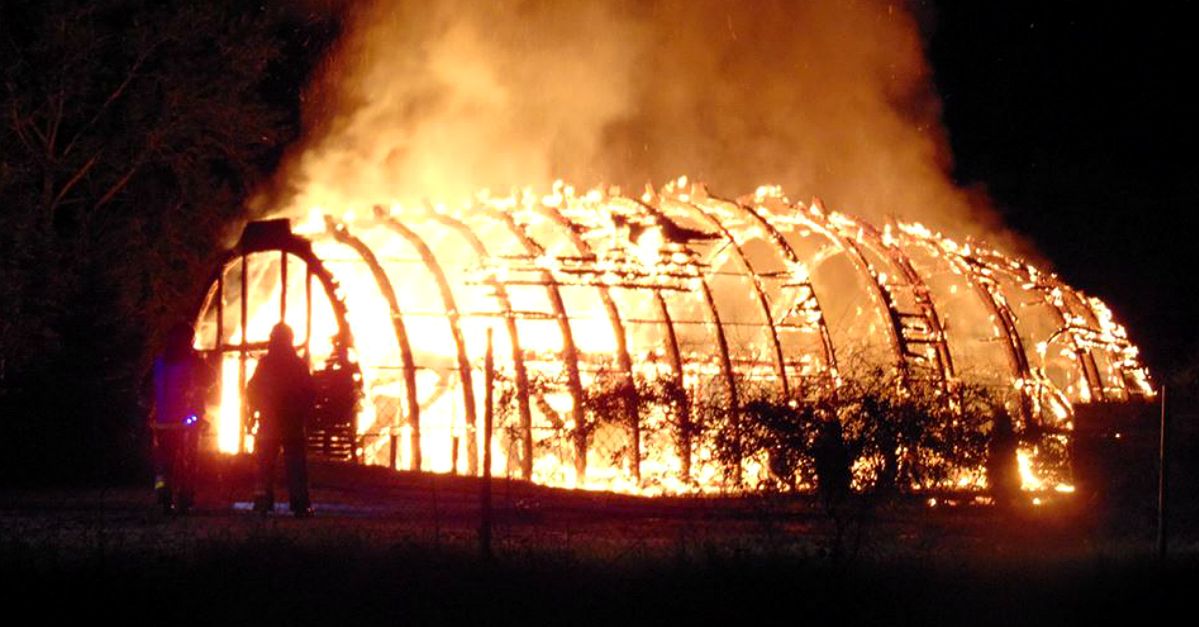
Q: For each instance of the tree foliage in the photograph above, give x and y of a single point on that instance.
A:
(131, 132)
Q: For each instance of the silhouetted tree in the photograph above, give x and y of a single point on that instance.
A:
(912, 434)
(833, 465)
(1003, 471)
(131, 132)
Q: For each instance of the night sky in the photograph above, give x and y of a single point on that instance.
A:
(1074, 119)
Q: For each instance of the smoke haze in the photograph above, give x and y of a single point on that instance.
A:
(437, 99)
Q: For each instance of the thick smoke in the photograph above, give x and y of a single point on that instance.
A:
(437, 99)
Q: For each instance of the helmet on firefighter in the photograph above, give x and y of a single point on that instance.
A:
(282, 337)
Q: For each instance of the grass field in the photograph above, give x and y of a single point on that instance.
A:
(400, 548)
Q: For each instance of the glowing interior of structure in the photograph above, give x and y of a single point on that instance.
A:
(678, 285)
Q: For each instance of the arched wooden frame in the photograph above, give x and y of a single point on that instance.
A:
(339, 232)
(274, 237)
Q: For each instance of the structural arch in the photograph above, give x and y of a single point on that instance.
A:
(264, 238)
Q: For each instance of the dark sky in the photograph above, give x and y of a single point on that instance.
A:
(1074, 119)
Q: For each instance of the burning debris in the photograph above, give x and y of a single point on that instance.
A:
(622, 324)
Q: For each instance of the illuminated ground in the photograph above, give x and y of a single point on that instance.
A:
(402, 548)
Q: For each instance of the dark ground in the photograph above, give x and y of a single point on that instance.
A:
(402, 549)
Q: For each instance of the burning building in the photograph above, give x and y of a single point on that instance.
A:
(408, 313)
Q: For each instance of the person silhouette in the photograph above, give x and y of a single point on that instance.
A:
(282, 393)
(181, 383)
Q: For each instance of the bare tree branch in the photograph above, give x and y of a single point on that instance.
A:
(55, 123)
(113, 97)
(17, 123)
(118, 186)
(38, 132)
(74, 179)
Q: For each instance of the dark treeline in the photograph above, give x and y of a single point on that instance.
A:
(131, 134)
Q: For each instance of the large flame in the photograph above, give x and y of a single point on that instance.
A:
(586, 292)
(674, 285)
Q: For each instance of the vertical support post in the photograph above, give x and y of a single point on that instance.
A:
(241, 362)
(392, 442)
(220, 312)
(488, 417)
(455, 440)
(454, 454)
(1162, 472)
(308, 317)
(283, 286)
(218, 345)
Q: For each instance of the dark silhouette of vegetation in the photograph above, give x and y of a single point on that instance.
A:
(915, 435)
(862, 444)
(900, 437)
(662, 413)
(1003, 471)
(553, 434)
(606, 401)
(1182, 409)
(131, 134)
(832, 463)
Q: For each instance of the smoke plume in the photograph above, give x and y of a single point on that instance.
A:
(437, 99)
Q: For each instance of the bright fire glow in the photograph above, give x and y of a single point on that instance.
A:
(598, 287)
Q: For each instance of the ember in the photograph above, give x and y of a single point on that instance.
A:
(676, 289)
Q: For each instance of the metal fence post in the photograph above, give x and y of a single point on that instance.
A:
(1162, 473)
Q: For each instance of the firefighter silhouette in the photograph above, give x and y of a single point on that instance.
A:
(181, 384)
(282, 393)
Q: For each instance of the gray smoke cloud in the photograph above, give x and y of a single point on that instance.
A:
(437, 99)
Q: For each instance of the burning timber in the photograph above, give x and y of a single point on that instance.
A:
(629, 337)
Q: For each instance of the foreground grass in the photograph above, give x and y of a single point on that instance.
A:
(220, 568)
